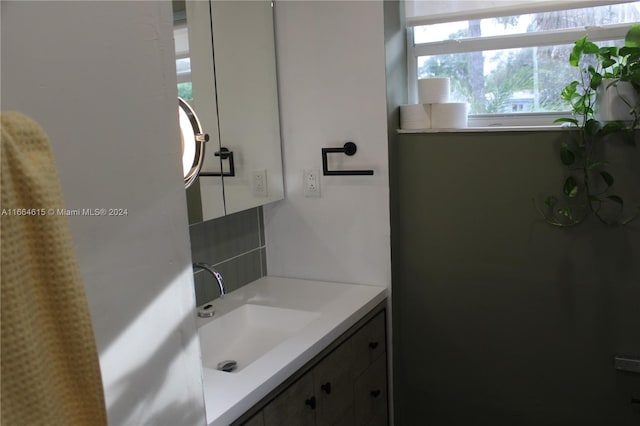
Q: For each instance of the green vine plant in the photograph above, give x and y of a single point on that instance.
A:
(589, 187)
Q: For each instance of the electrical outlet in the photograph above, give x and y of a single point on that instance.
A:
(259, 183)
(311, 183)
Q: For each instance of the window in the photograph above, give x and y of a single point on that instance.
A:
(183, 72)
(508, 59)
(183, 60)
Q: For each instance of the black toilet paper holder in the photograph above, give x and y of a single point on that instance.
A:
(349, 149)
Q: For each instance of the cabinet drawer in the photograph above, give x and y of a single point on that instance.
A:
(370, 400)
(369, 343)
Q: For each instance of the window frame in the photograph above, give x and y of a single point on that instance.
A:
(511, 41)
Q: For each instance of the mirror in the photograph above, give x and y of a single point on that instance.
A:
(192, 142)
(226, 68)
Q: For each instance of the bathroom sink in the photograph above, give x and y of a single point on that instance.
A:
(272, 327)
(248, 332)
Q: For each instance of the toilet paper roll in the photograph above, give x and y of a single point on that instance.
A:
(433, 90)
(451, 115)
(415, 116)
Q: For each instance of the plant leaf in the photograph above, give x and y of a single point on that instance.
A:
(576, 52)
(597, 164)
(566, 156)
(550, 201)
(571, 187)
(581, 105)
(565, 120)
(596, 80)
(590, 48)
(632, 39)
(607, 178)
(632, 57)
(612, 127)
(629, 51)
(616, 199)
(592, 126)
(607, 52)
(635, 77)
(569, 91)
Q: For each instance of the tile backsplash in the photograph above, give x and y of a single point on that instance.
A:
(234, 245)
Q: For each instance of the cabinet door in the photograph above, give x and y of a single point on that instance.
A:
(333, 379)
(247, 94)
(371, 395)
(369, 343)
(346, 419)
(295, 406)
(237, 106)
(257, 420)
(205, 199)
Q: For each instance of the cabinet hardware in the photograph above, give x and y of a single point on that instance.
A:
(224, 154)
(326, 387)
(375, 393)
(373, 345)
(349, 149)
(311, 402)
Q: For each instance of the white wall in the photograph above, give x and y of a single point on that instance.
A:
(98, 77)
(331, 76)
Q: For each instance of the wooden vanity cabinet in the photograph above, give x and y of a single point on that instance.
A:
(333, 380)
(370, 404)
(295, 406)
(370, 380)
(345, 385)
(257, 420)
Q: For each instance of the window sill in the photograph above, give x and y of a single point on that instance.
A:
(489, 129)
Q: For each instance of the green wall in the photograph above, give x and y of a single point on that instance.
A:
(498, 317)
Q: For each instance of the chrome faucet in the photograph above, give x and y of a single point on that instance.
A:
(216, 275)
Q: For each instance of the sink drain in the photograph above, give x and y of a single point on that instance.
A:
(227, 366)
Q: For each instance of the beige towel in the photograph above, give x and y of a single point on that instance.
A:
(50, 373)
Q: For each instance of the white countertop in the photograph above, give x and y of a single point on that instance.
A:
(340, 306)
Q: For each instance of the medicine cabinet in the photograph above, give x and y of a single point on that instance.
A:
(226, 68)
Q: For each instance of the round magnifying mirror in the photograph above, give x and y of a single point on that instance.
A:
(192, 142)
